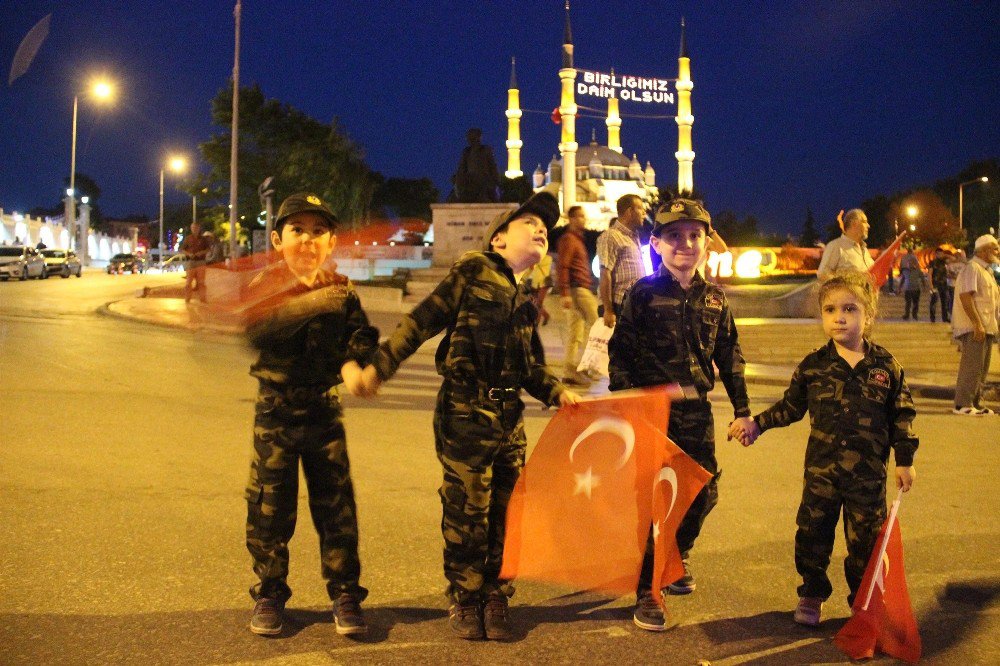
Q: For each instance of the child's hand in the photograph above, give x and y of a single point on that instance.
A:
(744, 429)
(568, 398)
(351, 374)
(370, 382)
(905, 476)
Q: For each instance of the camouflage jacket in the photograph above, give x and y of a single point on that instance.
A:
(491, 338)
(865, 409)
(304, 335)
(666, 334)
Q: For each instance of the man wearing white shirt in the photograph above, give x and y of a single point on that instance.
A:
(848, 252)
(974, 325)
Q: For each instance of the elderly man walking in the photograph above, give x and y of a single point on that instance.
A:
(974, 324)
(849, 251)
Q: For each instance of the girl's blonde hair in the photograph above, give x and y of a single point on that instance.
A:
(857, 283)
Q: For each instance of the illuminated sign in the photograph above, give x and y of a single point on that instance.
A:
(629, 88)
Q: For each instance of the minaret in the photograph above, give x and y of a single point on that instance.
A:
(567, 112)
(513, 127)
(684, 154)
(614, 123)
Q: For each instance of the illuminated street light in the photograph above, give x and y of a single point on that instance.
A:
(912, 211)
(177, 165)
(99, 90)
(984, 179)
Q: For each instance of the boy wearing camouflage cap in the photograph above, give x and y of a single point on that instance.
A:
(490, 351)
(309, 328)
(673, 327)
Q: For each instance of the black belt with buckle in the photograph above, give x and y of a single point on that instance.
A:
(499, 394)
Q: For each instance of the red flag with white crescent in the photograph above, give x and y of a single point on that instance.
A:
(882, 267)
(885, 620)
(581, 510)
(675, 487)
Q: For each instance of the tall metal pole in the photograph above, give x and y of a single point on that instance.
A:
(161, 219)
(71, 209)
(194, 208)
(960, 207)
(233, 171)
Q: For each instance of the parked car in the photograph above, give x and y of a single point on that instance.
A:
(21, 261)
(126, 263)
(62, 262)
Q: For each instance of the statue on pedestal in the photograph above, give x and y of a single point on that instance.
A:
(477, 179)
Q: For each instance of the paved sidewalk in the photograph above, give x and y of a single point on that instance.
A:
(773, 347)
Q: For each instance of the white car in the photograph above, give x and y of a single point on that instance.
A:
(62, 262)
(21, 261)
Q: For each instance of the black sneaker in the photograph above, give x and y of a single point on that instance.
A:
(266, 618)
(347, 616)
(466, 621)
(496, 617)
(685, 584)
(648, 615)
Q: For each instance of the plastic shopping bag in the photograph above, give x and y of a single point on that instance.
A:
(595, 355)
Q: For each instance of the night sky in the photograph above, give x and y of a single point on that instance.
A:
(797, 104)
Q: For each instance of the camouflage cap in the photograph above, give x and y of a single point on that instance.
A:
(542, 204)
(303, 202)
(678, 210)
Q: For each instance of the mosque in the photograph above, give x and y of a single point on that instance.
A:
(594, 176)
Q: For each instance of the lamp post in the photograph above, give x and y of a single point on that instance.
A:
(984, 179)
(98, 90)
(177, 165)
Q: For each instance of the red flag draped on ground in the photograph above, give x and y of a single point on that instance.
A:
(883, 615)
(882, 268)
(674, 489)
(581, 511)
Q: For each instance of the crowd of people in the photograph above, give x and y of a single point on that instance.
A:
(673, 326)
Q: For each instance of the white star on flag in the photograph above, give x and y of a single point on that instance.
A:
(586, 482)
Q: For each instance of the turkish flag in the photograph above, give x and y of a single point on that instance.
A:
(675, 486)
(882, 267)
(886, 620)
(581, 510)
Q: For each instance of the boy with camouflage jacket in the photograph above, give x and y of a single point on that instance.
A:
(674, 327)
(490, 351)
(309, 328)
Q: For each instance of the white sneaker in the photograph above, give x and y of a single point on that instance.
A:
(969, 411)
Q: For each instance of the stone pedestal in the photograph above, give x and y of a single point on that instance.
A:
(459, 227)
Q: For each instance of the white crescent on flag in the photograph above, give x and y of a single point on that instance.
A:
(613, 425)
(670, 476)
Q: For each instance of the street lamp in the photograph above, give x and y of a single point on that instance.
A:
(984, 179)
(177, 165)
(100, 90)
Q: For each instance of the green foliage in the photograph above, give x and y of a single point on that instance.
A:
(403, 197)
(301, 153)
(515, 190)
(809, 235)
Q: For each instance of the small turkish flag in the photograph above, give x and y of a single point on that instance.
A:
(674, 488)
(581, 511)
(885, 620)
(556, 116)
(882, 268)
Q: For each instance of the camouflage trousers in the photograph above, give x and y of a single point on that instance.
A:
(293, 424)
(481, 445)
(692, 428)
(855, 487)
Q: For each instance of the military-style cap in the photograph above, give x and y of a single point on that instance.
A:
(303, 202)
(542, 204)
(679, 210)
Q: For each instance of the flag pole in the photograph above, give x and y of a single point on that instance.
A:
(882, 547)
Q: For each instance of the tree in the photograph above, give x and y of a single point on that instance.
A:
(403, 197)
(881, 224)
(933, 223)
(981, 201)
(301, 153)
(809, 235)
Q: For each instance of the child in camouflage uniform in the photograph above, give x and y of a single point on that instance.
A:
(674, 327)
(490, 351)
(308, 325)
(859, 406)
